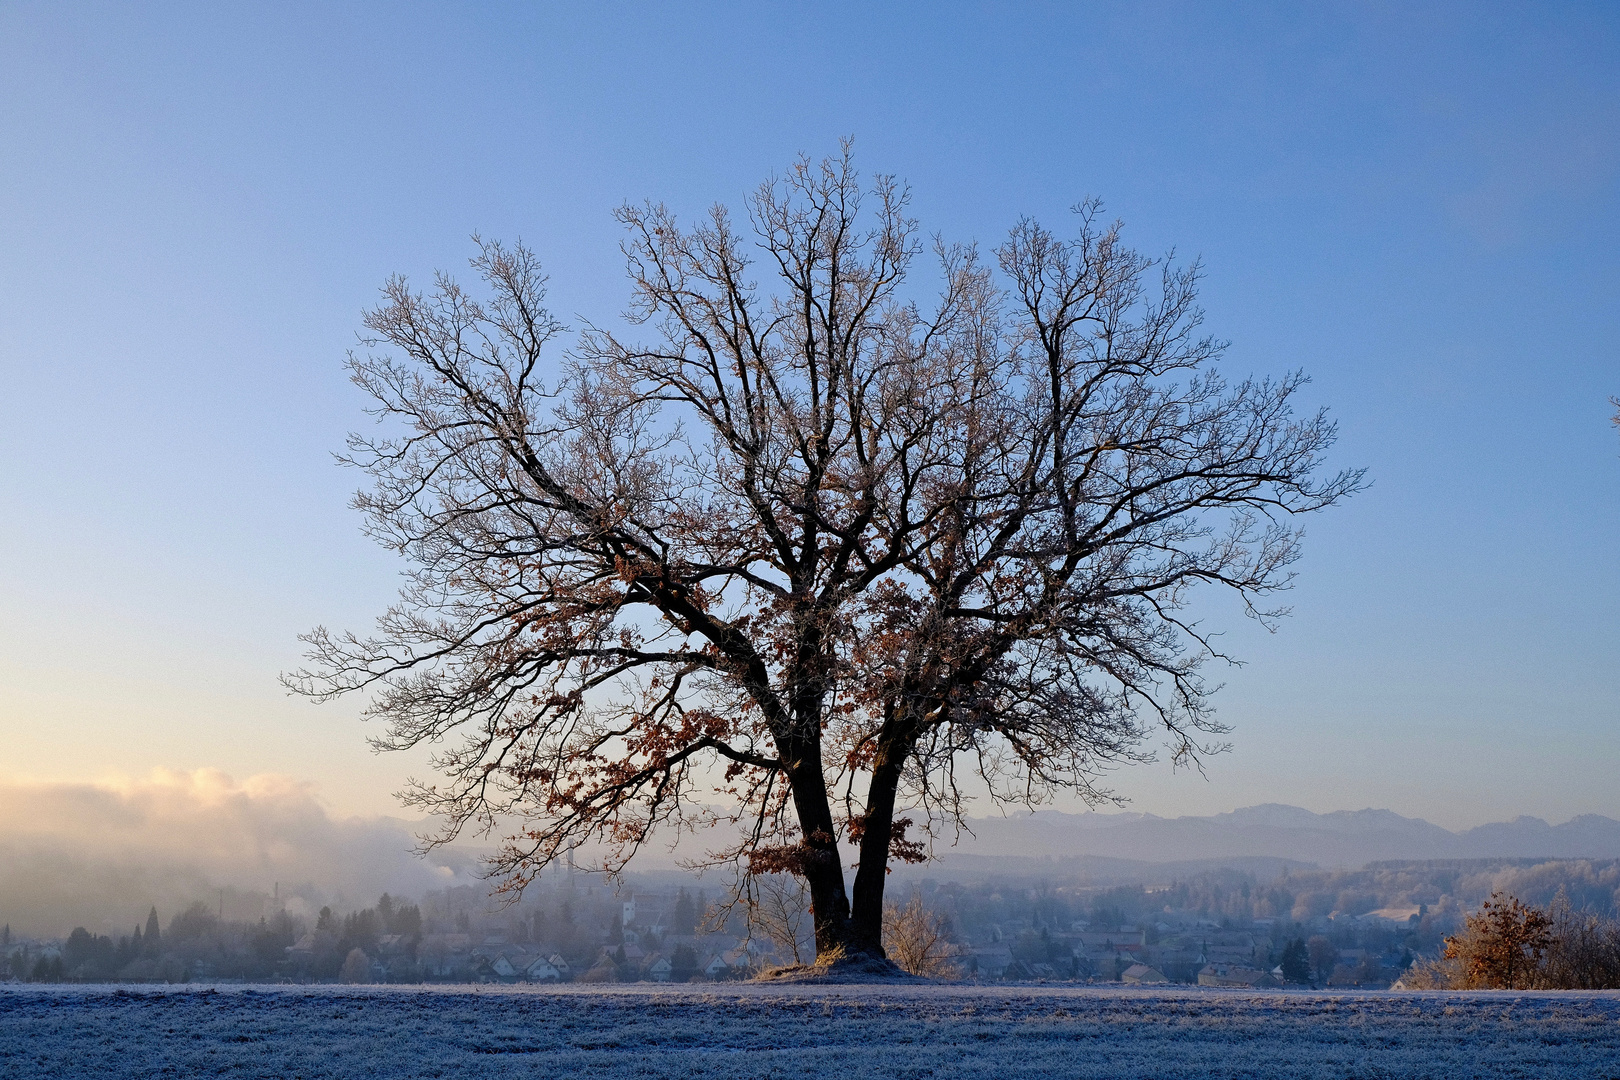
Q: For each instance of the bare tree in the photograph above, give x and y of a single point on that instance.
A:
(821, 545)
(1584, 953)
(779, 908)
(915, 939)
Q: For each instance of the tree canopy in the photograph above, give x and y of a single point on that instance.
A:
(802, 541)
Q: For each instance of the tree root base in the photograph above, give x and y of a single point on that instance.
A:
(848, 968)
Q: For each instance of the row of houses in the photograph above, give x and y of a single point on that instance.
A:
(456, 956)
(495, 962)
(1107, 955)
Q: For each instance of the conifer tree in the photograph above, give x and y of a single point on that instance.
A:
(685, 913)
(1296, 962)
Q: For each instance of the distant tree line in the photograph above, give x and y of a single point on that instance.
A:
(199, 944)
(1313, 924)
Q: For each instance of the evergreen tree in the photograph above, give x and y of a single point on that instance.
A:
(154, 937)
(685, 913)
(1296, 962)
(1324, 956)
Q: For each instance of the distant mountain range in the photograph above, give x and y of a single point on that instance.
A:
(1273, 831)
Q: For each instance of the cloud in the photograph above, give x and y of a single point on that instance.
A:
(101, 854)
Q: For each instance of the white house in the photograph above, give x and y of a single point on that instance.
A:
(541, 969)
(658, 967)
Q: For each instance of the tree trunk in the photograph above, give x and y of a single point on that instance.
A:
(822, 868)
(871, 875)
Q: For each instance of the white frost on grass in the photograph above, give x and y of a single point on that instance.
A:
(834, 1032)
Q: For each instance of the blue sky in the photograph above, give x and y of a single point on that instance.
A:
(1419, 204)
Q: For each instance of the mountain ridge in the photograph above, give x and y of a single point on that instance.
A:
(1280, 831)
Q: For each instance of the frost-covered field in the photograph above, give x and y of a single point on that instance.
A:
(841, 1032)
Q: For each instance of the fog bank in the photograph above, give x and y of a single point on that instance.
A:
(100, 855)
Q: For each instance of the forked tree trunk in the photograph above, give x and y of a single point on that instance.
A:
(842, 927)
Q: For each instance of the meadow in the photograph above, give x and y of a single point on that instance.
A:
(842, 1032)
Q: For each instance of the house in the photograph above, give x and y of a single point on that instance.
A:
(1235, 975)
(658, 968)
(715, 967)
(989, 961)
(560, 964)
(502, 967)
(540, 969)
(1142, 975)
(1128, 938)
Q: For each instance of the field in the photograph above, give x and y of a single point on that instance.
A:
(841, 1032)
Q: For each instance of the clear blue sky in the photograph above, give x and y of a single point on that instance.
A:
(1420, 204)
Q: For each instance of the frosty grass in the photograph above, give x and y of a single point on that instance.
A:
(833, 1032)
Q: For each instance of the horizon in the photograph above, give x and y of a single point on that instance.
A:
(200, 203)
(104, 850)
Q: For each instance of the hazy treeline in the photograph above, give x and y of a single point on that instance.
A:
(400, 941)
(1417, 906)
(196, 941)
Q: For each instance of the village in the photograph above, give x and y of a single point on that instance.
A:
(1206, 934)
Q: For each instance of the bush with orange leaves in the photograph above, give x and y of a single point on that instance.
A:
(1509, 945)
(1502, 945)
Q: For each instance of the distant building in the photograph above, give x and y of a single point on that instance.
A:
(541, 969)
(1235, 975)
(1142, 975)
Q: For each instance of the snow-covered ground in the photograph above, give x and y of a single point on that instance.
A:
(835, 1032)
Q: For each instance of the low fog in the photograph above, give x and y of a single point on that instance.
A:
(100, 855)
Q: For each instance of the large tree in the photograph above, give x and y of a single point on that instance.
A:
(806, 538)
